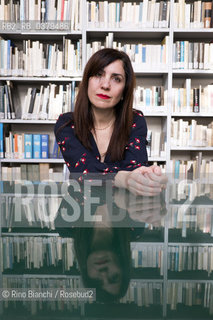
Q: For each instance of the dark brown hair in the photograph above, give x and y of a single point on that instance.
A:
(83, 118)
(120, 247)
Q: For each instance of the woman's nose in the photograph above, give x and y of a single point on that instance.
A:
(105, 83)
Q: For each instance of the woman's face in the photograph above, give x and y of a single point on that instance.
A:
(103, 266)
(106, 88)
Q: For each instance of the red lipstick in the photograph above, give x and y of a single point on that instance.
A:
(103, 96)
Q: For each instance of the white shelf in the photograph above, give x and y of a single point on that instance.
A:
(129, 29)
(153, 111)
(20, 121)
(41, 276)
(32, 160)
(41, 79)
(192, 114)
(156, 159)
(132, 281)
(29, 234)
(198, 206)
(149, 71)
(42, 33)
(194, 30)
(192, 148)
(139, 245)
(191, 281)
(171, 244)
(192, 71)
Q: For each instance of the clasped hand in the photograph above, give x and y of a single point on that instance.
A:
(146, 181)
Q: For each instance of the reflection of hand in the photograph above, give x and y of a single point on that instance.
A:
(147, 209)
(140, 208)
(146, 181)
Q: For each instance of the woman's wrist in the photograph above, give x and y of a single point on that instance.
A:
(121, 179)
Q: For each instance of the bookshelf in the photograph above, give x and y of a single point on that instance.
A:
(173, 255)
(92, 27)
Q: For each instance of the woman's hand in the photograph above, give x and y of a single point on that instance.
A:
(146, 181)
(143, 181)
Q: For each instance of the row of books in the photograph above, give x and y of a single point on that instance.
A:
(144, 294)
(154, 96)
(147, 256)
(198, 173)
(141, 55)
(34, 172)
(26, 146)
(198, 168)
(39, 59)
(193, 55)
(35, 212)
(190, 190)
(44, 11)
(188, 99)
(37, 252)
(190, 294)
(47, 103)
(156, 146)
(43, 103)
(182, 258)
(195, 15)
(196, 220)
(7, 109)
(191, 134)
(143, 14)
(35, 307)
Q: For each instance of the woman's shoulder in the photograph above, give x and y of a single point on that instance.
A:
(139, 122)
(64, 117)
(137, 115)
(63, 120)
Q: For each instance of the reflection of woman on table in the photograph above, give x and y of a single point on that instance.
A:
(104, 134)
(104, 259)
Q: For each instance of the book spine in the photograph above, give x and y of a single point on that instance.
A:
(44, 146)
(28, 146)
(207, 14)
(36, 146)
(8, 112)
(196, 100)
(1, 141)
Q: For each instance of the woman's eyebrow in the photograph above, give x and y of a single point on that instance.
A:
(117, 74)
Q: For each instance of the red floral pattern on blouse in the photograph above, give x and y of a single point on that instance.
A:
(81, 160)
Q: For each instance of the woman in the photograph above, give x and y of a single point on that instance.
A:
(104, 134)
(104, 260)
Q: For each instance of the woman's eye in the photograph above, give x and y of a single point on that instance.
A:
(117, 79)
(99, 74)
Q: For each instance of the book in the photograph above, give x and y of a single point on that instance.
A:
(1, 141)
(10, 96)
(196, 100)
(36, 146)
(44, 171)
(2, 114)
(44, 146)
(28, 146)
(32, 101)
(8, 114)
(207, 14)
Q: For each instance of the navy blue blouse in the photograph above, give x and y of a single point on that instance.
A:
(81, 160)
